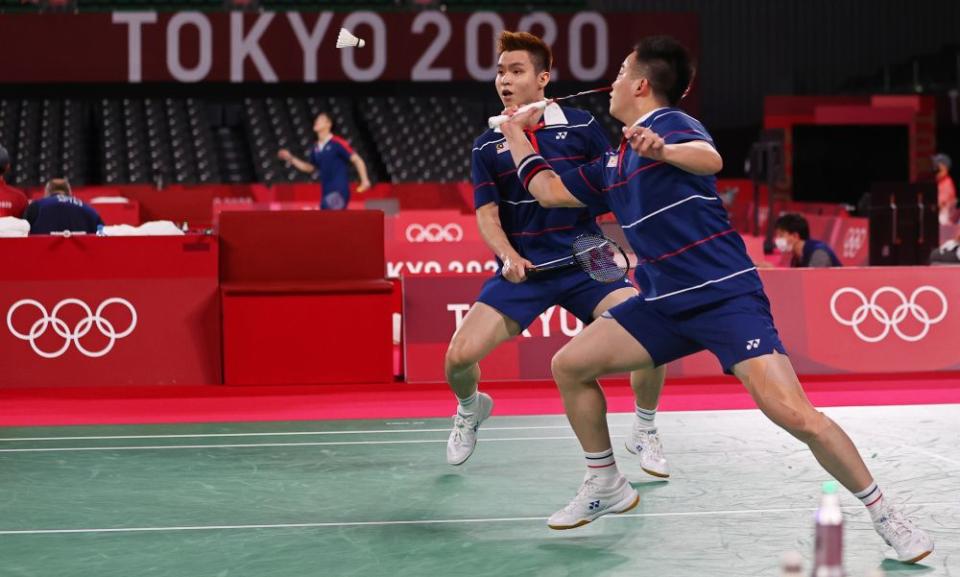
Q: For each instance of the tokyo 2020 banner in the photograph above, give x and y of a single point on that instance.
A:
(832, 321)
(300, 47)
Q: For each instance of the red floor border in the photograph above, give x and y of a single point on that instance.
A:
(185, 404)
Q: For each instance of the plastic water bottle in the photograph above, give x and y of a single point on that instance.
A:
(828, 547)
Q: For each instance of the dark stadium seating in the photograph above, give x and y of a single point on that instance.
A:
(165, 140)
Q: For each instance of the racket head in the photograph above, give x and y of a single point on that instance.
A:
(601, 258)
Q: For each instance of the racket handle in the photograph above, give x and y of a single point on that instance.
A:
(494, 122)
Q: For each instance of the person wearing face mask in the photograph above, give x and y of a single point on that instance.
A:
(520, 233)
(946, 190)
(793, 237)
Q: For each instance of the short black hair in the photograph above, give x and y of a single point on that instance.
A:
(539, 52)
(324, 113)
(794, 223)
(667, 64)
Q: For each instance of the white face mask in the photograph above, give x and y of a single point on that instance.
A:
(782, 244)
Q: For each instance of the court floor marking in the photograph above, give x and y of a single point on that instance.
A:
(616, 416)
(249, 445)
(301, 433)
(335, 524)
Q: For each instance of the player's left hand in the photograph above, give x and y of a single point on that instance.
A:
(518, 120)
(363, 186)
(645, 142)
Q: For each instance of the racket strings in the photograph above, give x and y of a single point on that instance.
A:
(600, 258)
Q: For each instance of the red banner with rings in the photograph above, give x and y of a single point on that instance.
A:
(432, 242)
(832, 321)
(86, 310)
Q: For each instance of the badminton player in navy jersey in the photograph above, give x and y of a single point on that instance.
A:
(331, 158)
(522, 233)
(699, 289)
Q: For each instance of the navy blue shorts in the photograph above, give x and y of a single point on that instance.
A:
(523, 302)
(734, 330)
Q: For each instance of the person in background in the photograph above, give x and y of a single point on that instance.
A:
(330, 157)
(59, 211)
(12, 200)
(793, 237)
(946, 190)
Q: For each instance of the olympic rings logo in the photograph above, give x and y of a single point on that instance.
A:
(887, 320)
(60, 327)
(452, 232)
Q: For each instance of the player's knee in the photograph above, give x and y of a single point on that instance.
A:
(460, 356)
(566, 368)
(805, 424)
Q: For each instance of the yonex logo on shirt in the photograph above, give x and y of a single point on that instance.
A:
(753, 344)
(562, 135)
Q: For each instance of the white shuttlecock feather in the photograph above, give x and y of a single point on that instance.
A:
(346, 40)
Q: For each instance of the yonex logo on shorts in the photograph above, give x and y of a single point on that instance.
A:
(562, 135)
(753, 344)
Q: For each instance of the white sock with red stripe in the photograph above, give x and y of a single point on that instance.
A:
(872, 497)
(602, 464)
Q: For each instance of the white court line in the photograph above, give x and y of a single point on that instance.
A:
(272, 434)
(248, 445)
(382, 431)
(930, 454)
(426, 521)
(310, 433)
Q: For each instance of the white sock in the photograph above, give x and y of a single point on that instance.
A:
(602, 464)
(469, 404)
(872, 497)
(645, 417)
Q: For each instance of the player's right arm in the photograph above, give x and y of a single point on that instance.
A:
(486, 198)
(300, 164)
(534, 172)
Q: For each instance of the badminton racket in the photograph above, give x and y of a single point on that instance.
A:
(598, 256)
(495, 121)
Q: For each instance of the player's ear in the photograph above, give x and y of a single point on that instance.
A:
(543, 78)
(641, 86)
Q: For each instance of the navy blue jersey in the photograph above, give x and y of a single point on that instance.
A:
(332, 161)
(688, 253)
(59, 213)
(811, 246)
(566, 138)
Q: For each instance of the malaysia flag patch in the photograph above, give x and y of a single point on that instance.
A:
(502, 147)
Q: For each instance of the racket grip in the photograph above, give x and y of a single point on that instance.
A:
(494, 122)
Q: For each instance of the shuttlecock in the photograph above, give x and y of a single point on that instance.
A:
(345, 40)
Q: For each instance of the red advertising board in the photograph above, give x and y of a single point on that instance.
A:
(429, 46)
(842, 320)
(431, 242)
(98, 311)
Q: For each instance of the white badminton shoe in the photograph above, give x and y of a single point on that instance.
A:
(909, 541)
(463, 437)
(645, 443)
(595, 498)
